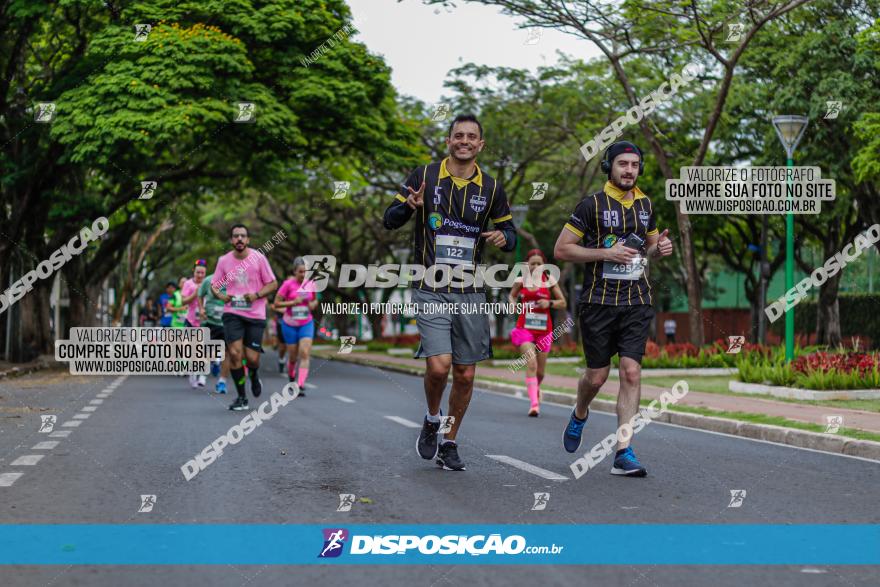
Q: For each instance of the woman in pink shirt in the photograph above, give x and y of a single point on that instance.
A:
(190, 300)
(297, 297)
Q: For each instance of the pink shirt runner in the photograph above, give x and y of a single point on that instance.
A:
(243, 276)
(192, 312)
(290, 289)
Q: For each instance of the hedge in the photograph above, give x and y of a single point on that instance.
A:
(859, 316)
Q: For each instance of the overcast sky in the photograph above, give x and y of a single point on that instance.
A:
(422, 43)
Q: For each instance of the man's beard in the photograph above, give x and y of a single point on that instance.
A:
(619, 183)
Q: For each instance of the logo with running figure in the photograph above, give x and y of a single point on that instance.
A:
(346, 344)
(435, 220)
(141, 32)
(319, 268)
(446, 423)
(737, 497)
(346, 500)
(735, 344)
(539, 190)
(44, 112)
(340, 189)
(334, 541)
(541, 500)
(246, 112)
(148, 188)
(47, 423)
(833, 109)
(441, 112)
(735, 31)
(609, 241)
(833, 424)
(147, 503)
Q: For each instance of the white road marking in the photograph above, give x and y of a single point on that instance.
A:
(103, 395)
(7, 479)
(89, 408)
(72, 423)
(81, 416)
(403, 421)
(96, 402)
(528, 468)
(342, 398)
(310, 386)
(567, 407)
(60, 434)
(27, 460)
(45, 445)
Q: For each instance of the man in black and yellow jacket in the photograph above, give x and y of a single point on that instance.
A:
(613, 232)
(453, 201)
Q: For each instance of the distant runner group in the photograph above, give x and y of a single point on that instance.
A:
(232, 302)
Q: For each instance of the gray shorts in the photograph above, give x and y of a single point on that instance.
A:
(464, 336)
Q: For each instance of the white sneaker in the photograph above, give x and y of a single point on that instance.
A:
(202, 380)
(193, 381)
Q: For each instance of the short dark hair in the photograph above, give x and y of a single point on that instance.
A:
(170, 284)
(465, 118)
(234, 226)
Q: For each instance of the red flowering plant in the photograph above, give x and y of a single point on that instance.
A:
(823, 361)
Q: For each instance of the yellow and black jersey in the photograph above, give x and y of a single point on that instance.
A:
(600, 220)
(448, 226)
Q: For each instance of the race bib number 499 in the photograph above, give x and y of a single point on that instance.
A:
(629, 271)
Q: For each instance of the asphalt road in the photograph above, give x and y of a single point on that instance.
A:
(355, 433)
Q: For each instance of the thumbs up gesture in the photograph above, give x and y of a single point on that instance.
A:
(664, 245)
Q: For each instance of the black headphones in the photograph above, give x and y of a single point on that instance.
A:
(606, 162)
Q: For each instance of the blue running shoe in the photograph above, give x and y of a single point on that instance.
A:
(221, 387)
(626, 463)
(215, 368)
(571, 438)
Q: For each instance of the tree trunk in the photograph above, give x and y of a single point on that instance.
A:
(375, 324)
(828, 313)
(83, 293)
(35, 311)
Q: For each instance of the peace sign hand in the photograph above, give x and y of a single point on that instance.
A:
(416, 199)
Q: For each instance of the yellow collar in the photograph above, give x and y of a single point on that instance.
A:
(460, 181)
(618, 194)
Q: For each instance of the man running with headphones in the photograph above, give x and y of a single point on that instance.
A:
(614, 233)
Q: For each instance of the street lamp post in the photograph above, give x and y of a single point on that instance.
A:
(789, 129)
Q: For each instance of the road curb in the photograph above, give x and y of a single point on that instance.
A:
(830, 443)
(803, 394)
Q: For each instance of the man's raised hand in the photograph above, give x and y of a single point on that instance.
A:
(416, 199)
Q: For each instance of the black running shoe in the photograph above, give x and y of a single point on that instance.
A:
(240, 404)
(256, 385)
(302, 390)
(427, 443)
(281, 366)
(447, 457)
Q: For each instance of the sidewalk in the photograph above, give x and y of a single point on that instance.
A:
(17, 369)
(868, 421)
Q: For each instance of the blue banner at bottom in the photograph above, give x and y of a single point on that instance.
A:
(265, 544)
